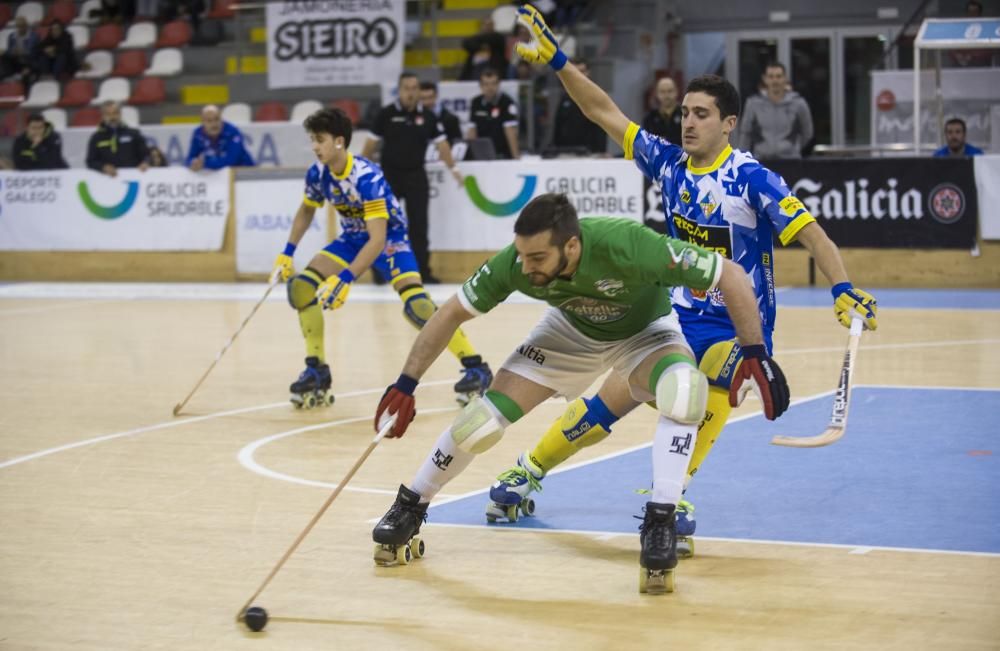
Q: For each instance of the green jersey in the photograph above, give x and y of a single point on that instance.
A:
(622, 283)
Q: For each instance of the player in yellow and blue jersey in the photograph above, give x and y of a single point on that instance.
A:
(717, 197)
(373, 234)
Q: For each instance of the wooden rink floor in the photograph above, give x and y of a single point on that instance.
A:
(122, 527)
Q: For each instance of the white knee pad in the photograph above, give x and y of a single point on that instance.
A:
(682, 394)
(477, 427)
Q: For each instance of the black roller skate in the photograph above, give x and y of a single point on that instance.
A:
(475, 380)
(658, 558)
(312, 389)
(395, 535)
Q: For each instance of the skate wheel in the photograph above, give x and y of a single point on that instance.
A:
(384, 556)
(643, 581)
(310, 401)
(417, 547)
(655, 581)
(329, 399)
(528, 506)
(463, 398)
(512, 513)
(685, 547)
(296, 400)
(491, 518)
(404, 555)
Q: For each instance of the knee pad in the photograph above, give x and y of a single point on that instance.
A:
(302, 289)
(682, 394)
(477, 427)
(417, 306)
(720, 362)
(583, 426)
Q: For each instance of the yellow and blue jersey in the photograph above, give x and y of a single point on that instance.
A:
(359, 194)
(734, 206)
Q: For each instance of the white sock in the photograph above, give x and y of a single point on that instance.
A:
(672, 449)
(444, 463)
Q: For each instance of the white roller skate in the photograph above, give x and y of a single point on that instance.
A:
(395, 535)
(509, 495)
(312, 389)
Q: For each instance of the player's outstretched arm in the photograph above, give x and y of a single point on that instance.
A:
(847, 298)
(596, 104)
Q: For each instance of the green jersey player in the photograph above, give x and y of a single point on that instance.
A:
(607, 284)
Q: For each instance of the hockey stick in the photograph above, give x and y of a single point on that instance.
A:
(180, 405)
(386, 427)
(841, 401)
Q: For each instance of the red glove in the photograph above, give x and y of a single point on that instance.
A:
(766, 380)
(398, 400)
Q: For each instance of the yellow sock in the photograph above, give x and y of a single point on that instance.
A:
(460, 346)
(716, 415)
(554, 447)
(311, 321)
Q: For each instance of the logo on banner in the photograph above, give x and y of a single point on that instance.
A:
(494, 209)
(946, 203)
(335, 39)
(109, 212)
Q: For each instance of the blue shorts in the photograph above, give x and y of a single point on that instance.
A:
(704, 332)
(394, 263)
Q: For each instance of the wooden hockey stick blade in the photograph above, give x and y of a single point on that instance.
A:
(831, 435)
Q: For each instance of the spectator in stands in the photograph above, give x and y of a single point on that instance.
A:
(487, 49)
(448, 120)
(217, 144)
(115, 145)
(39, 147)
(572, 128)
(954, 136)
(665, 119)
(117, 11)
(189, 10)
(19, 57)
(57, 52)
(775, 123)
(156, 158)
(494, 116)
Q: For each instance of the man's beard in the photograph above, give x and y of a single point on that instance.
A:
(546, 279)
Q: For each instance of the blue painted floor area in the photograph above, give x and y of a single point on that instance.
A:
(917, 468)
(950, 299)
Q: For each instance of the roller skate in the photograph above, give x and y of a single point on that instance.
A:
(685, 529)
(313, 386)
(509, 495)
(395, 535)
(658, 558)
(475, 380)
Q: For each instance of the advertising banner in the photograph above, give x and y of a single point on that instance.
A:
(334, 42)
(264, 214)
(479, 214)
(163, 209)
(988, 188)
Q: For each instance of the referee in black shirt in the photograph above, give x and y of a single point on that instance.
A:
(494, 116)
(406, 129)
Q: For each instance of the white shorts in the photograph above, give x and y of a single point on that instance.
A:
(560, 357)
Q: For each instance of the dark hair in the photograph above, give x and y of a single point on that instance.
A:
(775, 64)
(36, 117)
(956, 121)
(406, 74)
(428, 85)
(727, 98)
(332, 121)
(489, 72)
(549, 212)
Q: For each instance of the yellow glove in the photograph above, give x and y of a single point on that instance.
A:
(334, 290)
(284, 268)
(544, 48)
(848, 301)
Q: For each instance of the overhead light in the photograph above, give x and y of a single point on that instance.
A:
(779, 16)
(886, 13)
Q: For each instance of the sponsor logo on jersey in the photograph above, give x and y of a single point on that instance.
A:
(685, 196)
(595, 310)
(791, 205)
(534, 354)
(708, 205)
(610, 286)
(714, 237)
(946, 203)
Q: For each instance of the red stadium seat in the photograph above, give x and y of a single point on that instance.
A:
(77, 92)
(350, 107)
(61, 10)
(221, 9)
(271, 112)
(89, 116)
(149, 90)
(11, 94)
(174, 34)
(13, 123)
(130, 63)
(106, 37)
(5, 13)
